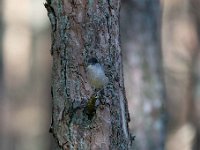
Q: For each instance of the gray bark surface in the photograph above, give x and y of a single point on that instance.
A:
(81, 30)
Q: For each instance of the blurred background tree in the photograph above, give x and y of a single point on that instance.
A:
(25, 63)
(140, 40)
(25, 100)
(180, 43)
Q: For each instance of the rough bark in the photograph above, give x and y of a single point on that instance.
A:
(140, 32)
(82, 29)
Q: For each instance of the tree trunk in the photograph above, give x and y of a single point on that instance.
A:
(140, 32)
(81, 30)
(180, 45)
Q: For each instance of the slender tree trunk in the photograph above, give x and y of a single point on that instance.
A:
(1, 49)
(80, 30)
(140, 31)
(180, 45)
(195, 107)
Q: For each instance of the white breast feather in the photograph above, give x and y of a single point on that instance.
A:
(96, 76)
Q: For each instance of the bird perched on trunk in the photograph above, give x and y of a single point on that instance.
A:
(96, 75)
(97, 79)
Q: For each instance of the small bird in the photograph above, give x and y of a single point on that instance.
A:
(96, 75)
(97, 79)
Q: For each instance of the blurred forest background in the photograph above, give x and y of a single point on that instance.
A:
(160, 41)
